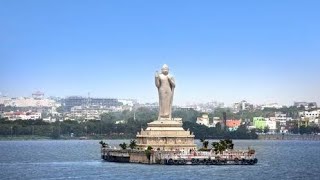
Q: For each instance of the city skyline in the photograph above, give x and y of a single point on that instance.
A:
(217, 51)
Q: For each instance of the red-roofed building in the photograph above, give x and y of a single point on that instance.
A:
(233, 124)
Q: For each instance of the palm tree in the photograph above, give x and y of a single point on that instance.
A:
(214, 144)
(123, 145)
(217, 147)
(222, 145)
(205, 144)
(221, 148)
(103, 144)
(133, 144)
(229, 143)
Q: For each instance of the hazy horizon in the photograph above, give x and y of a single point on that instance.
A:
(261, 52)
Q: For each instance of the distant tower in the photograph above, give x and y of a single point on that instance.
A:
(224, 114)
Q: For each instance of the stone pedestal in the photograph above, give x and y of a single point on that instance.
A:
(166, 135)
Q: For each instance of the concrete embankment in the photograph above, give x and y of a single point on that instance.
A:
(310, 137)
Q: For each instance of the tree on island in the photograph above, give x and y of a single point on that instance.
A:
(103, 144)
(205, 143)
(229, 143)
(218, 147)
(222, 145)
(123, 146)
(133, 144)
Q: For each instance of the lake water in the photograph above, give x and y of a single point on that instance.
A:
(81, 160)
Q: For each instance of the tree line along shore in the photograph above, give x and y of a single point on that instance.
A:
(125, 125)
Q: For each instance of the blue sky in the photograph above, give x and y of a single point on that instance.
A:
(261, 51)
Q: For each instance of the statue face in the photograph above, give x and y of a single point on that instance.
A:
(165, 71)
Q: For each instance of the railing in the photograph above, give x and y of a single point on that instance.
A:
(228, 155)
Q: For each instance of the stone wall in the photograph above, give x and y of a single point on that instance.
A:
(141, 157)
(127, 155)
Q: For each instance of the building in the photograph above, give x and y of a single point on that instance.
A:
(311, 116)
(207, 107)
(259, 122)
(89, 112)
(282, 119)
(128, 102)
(4, 100)
(233, 124)
(151, 106)
(272, 125)
(242, 106)
(203, 120)
(272, 105)
(216, 120)
(30, 102)
(280, 116)
(73, 101)
(22, 115)
(120, 122)
(304, 122)
(184, 108)
(305, 105)
(49, 119)
(37, 100)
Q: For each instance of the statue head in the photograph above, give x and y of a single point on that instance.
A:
(165, 69)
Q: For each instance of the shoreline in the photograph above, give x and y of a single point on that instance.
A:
(311, 137)
(274, 137)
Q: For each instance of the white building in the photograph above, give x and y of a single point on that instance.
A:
(120, 122)
(49, 119)
(4, 99)
(272, 105)
(22, 115)
(30, 102)
(216, 120)
(306, 105)
(313, 116)
(128, 102)
(204, 120)
(282, 118)
(272, 124)
(89, 112)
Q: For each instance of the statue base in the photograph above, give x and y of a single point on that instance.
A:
(166, 135)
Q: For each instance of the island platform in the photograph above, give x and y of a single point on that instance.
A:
(229, 157)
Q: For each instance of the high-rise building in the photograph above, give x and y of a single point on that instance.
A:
(73, 101)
